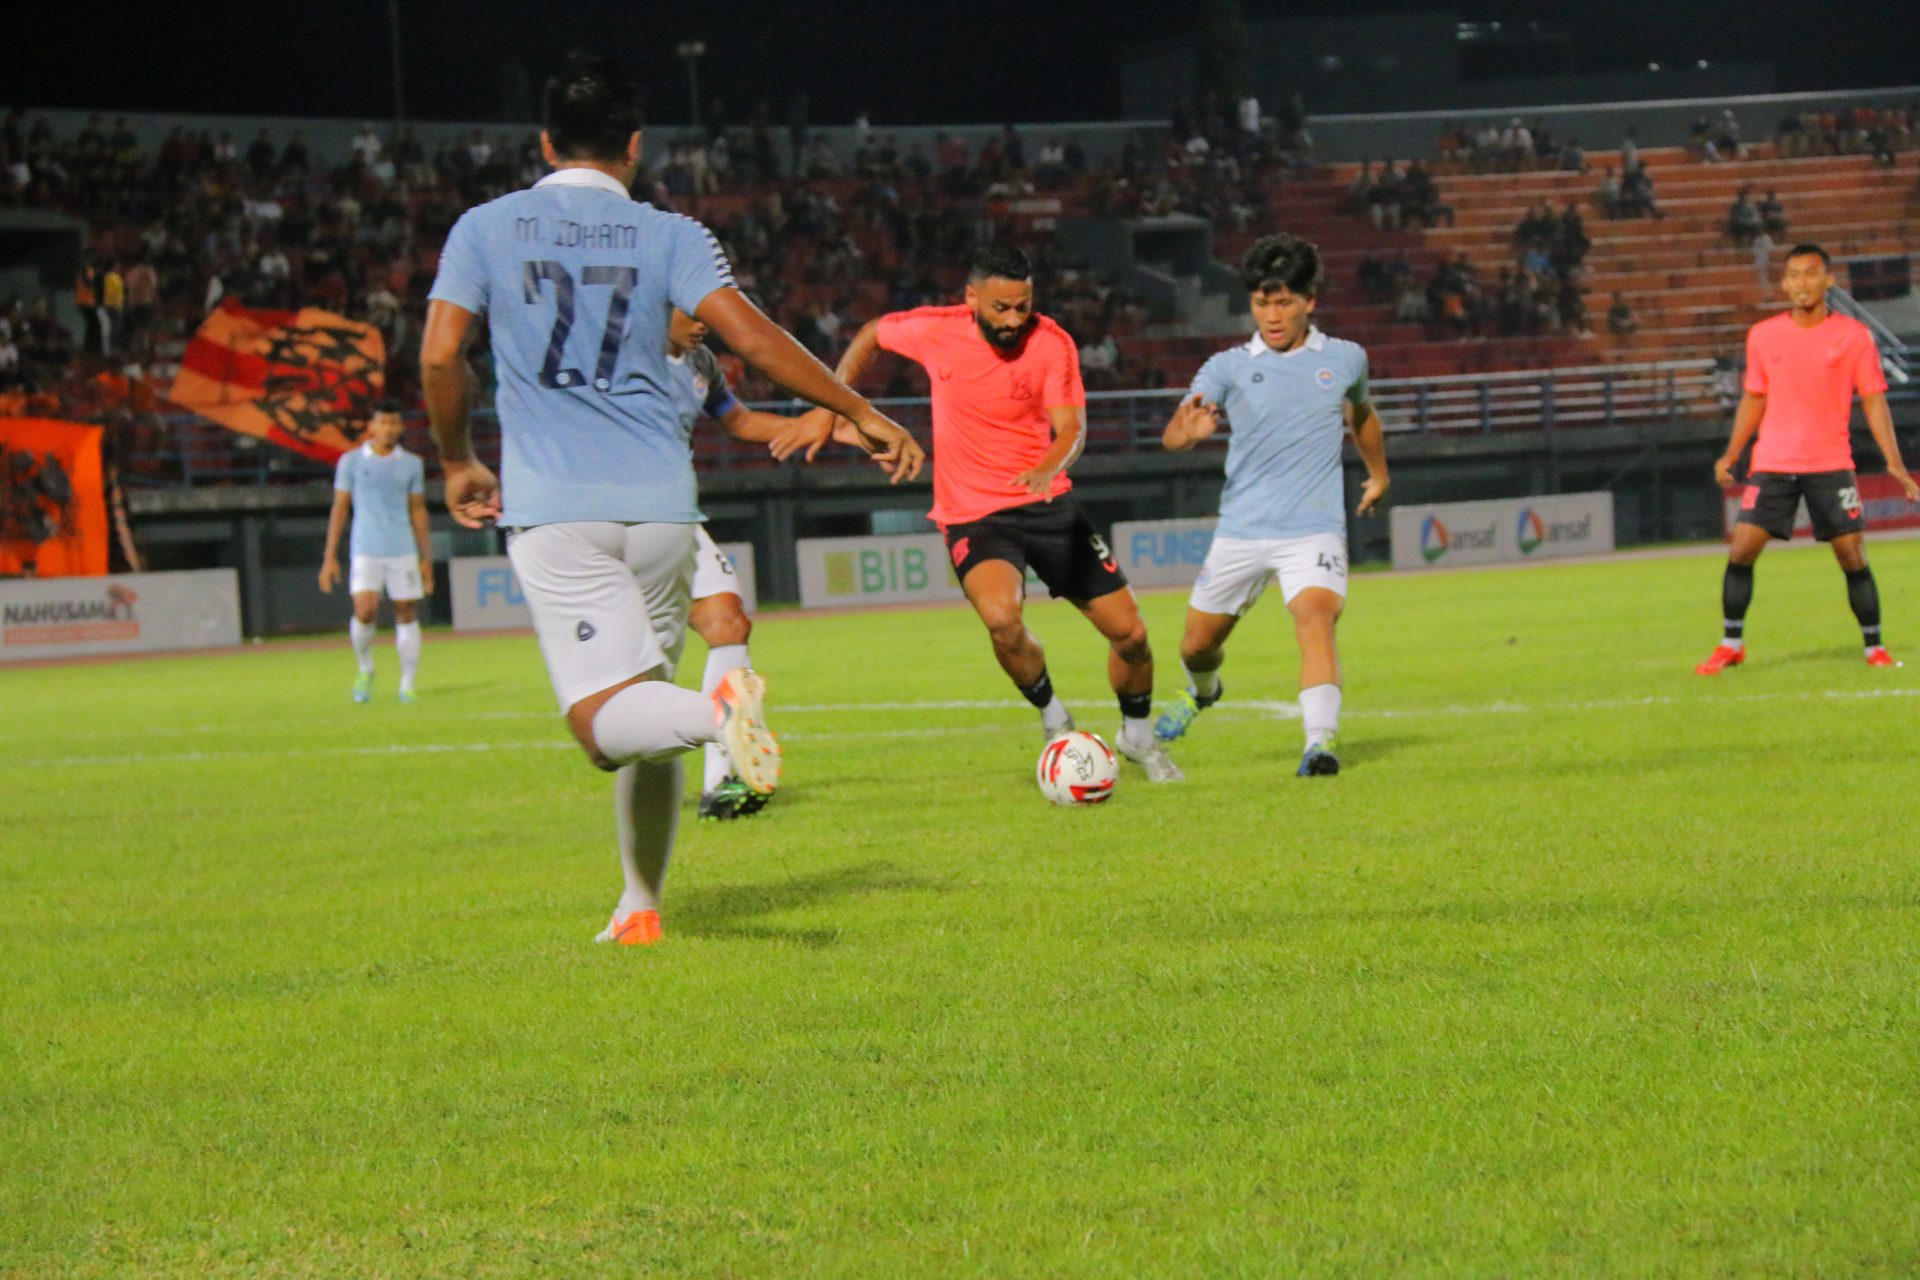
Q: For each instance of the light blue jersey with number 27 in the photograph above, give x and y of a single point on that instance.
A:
(576, 278)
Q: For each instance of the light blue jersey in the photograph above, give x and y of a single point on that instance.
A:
(699, 388)
(1283, 453)
(380, 488)
(576, 278)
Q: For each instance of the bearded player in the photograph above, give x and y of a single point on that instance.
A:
(1803, 368)
(1009, 418)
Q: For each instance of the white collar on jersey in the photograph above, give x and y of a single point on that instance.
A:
(585, 178)
(1316, 341)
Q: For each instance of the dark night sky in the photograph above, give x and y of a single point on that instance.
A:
(908, 61)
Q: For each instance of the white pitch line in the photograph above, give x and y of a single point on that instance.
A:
(1270, 709)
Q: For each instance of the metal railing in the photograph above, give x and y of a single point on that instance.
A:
(192, 451)
(1896, 358)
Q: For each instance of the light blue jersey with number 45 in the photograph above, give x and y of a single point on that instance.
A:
(575, 278)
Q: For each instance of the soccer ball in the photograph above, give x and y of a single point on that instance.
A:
(1077, 768)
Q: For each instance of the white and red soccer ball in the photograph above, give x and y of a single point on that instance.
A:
(1077, 768)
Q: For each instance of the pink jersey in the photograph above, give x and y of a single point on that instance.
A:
(990, 420)
(1808, 376)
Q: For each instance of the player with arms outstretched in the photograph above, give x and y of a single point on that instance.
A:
(1009, 418)
(1803, 368)
(383, 486)
(597, 484)
(1291, 394)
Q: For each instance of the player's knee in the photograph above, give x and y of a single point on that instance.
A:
(580, 720)
(404, 611)
(1315, 616)
(1194, 648)
(1007, 628)
(365, 615)
(1132, 645)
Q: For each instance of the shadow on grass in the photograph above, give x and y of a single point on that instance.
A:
(724, 911)
(1367, 750)
(435, 692)
(1850, 654)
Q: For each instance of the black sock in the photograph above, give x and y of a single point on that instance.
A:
(1135, 706)
(1040, 692)
(1736, 593)
(1864, 595)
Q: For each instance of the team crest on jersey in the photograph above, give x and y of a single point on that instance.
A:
(1324, 377)
(1022, 387)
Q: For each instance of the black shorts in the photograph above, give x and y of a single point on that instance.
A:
(1055, 538)
(1772, 498)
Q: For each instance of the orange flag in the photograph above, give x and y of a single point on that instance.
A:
(304, 379)
(56, 524)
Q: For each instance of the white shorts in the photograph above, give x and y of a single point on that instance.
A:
(1238, 569)
(609, 600)
(398, 576)
(713, 571)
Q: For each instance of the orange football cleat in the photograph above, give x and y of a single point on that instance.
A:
(1720, 659)
(635, 929)
(1879, 657)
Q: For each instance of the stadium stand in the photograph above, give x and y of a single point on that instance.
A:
(879, 226)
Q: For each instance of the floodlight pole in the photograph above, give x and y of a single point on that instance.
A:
(692, 51)
(393, 35)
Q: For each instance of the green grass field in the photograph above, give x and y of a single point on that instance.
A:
(1585, 966)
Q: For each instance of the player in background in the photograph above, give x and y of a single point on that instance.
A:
(1009, 418)
(597, 490)
(384, 486)
(1291, 394)
(719, 615)
(1803, 367)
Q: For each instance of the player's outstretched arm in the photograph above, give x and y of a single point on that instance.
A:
(1880, 423)
(1194, 419)
(1370, 438)
(336, 521)
(1746, 421)
(859, 352)
(773, 351)
(472, 492)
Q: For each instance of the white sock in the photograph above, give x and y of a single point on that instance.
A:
(406, 638)
(654, 721)
(646, 811)
(1737, 644)
(1137, 729)
(720, 660)
(1205, 684)
(361, 633)
(1055, 718)
(1320, 713)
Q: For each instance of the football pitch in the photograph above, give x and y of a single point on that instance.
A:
(1584, 966)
